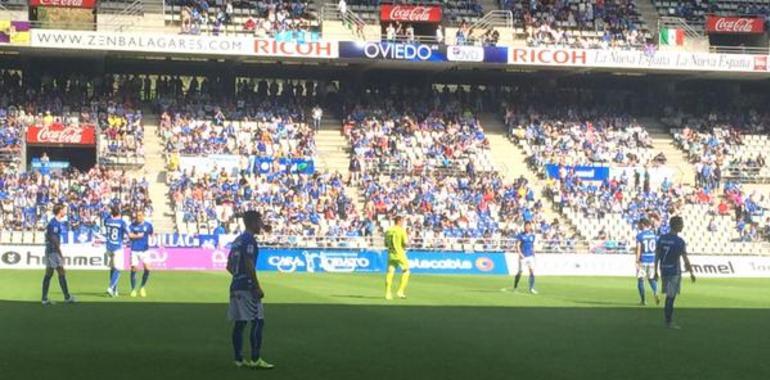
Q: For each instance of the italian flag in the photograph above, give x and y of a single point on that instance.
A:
(672, 37)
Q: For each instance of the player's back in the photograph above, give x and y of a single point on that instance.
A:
(395, 240)
(114, 230)
(670, 248)
(243, 248)
(53, 236)
(648, 242)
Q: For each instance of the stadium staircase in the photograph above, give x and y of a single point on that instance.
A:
(510, 162)
(649, 14)
(675, 158)
(334, 156)
(155, 171)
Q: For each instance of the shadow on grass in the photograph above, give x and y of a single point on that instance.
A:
(318, 341)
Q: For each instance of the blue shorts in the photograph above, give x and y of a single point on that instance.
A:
(672, 284)
(53, 260)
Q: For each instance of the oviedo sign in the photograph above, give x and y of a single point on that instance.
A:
(735, 25)
(88, 4)
(410, 13)
(58, 134)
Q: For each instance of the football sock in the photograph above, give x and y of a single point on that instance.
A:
(669, 309)
(516, 280)
(63, 285)
(145, 277)
(654, 286)
(404, 282)
(389, 280)
(640, 287)
(46, 285)
(238, 339)
(256, 338)
(114, 277)
(531, 281)
(112, 274)
(133, 280)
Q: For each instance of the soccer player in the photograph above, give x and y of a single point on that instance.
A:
(246, 293)
(395, 241)
(645, 260)
(525, 246)
(53, 255)
(114, 231)
(670, 249)
(139, 233)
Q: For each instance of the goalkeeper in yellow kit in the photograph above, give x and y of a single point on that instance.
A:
(395, 241)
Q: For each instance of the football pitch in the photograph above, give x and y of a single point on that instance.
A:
(338, 326)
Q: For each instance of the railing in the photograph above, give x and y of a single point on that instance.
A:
(740, 50)
(495, 19)
(117, 20)
(357, 26)
(680, 23)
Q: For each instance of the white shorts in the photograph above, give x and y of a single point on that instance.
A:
(53, 260)
(140, 257)
(646, 270)
(526, 262)
(244, 306)
(109, 258)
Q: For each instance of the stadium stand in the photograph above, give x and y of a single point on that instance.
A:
(580, 24)
(695, 12)
(427, 157)
(455, 12)
(282, 20)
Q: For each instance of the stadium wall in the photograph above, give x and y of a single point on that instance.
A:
(308, 260)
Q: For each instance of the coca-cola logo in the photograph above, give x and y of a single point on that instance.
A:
(58, 134)
(410, 13)
(64, 3)
(407, 14)
(735, 25)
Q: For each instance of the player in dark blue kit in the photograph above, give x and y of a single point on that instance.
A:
(115, 230)
(53, 255)
(139, 232)
(670, 249)
(246, 293)
(526, 250)
(645, 260)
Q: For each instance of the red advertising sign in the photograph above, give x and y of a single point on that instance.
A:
(735, 25)
(410, 13)
(58, 134)
(89, 4)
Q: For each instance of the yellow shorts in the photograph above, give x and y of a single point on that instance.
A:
(398, 262)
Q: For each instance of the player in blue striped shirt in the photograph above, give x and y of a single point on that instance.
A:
(246, 293)
(645, 260)
(53, 254)
(115, 230)
(670, 250)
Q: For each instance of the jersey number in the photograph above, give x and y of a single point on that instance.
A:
(113, 234)
(649, 245)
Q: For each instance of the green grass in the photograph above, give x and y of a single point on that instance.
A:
(324, 326)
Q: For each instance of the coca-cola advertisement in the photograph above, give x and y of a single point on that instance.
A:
(59, 134)
(410, 13)
(735, 25)
(88, 4)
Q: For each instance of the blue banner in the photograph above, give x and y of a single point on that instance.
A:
(413, 52)
(364, 260)
(266, 165)
(586, 173)
(320, 260)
